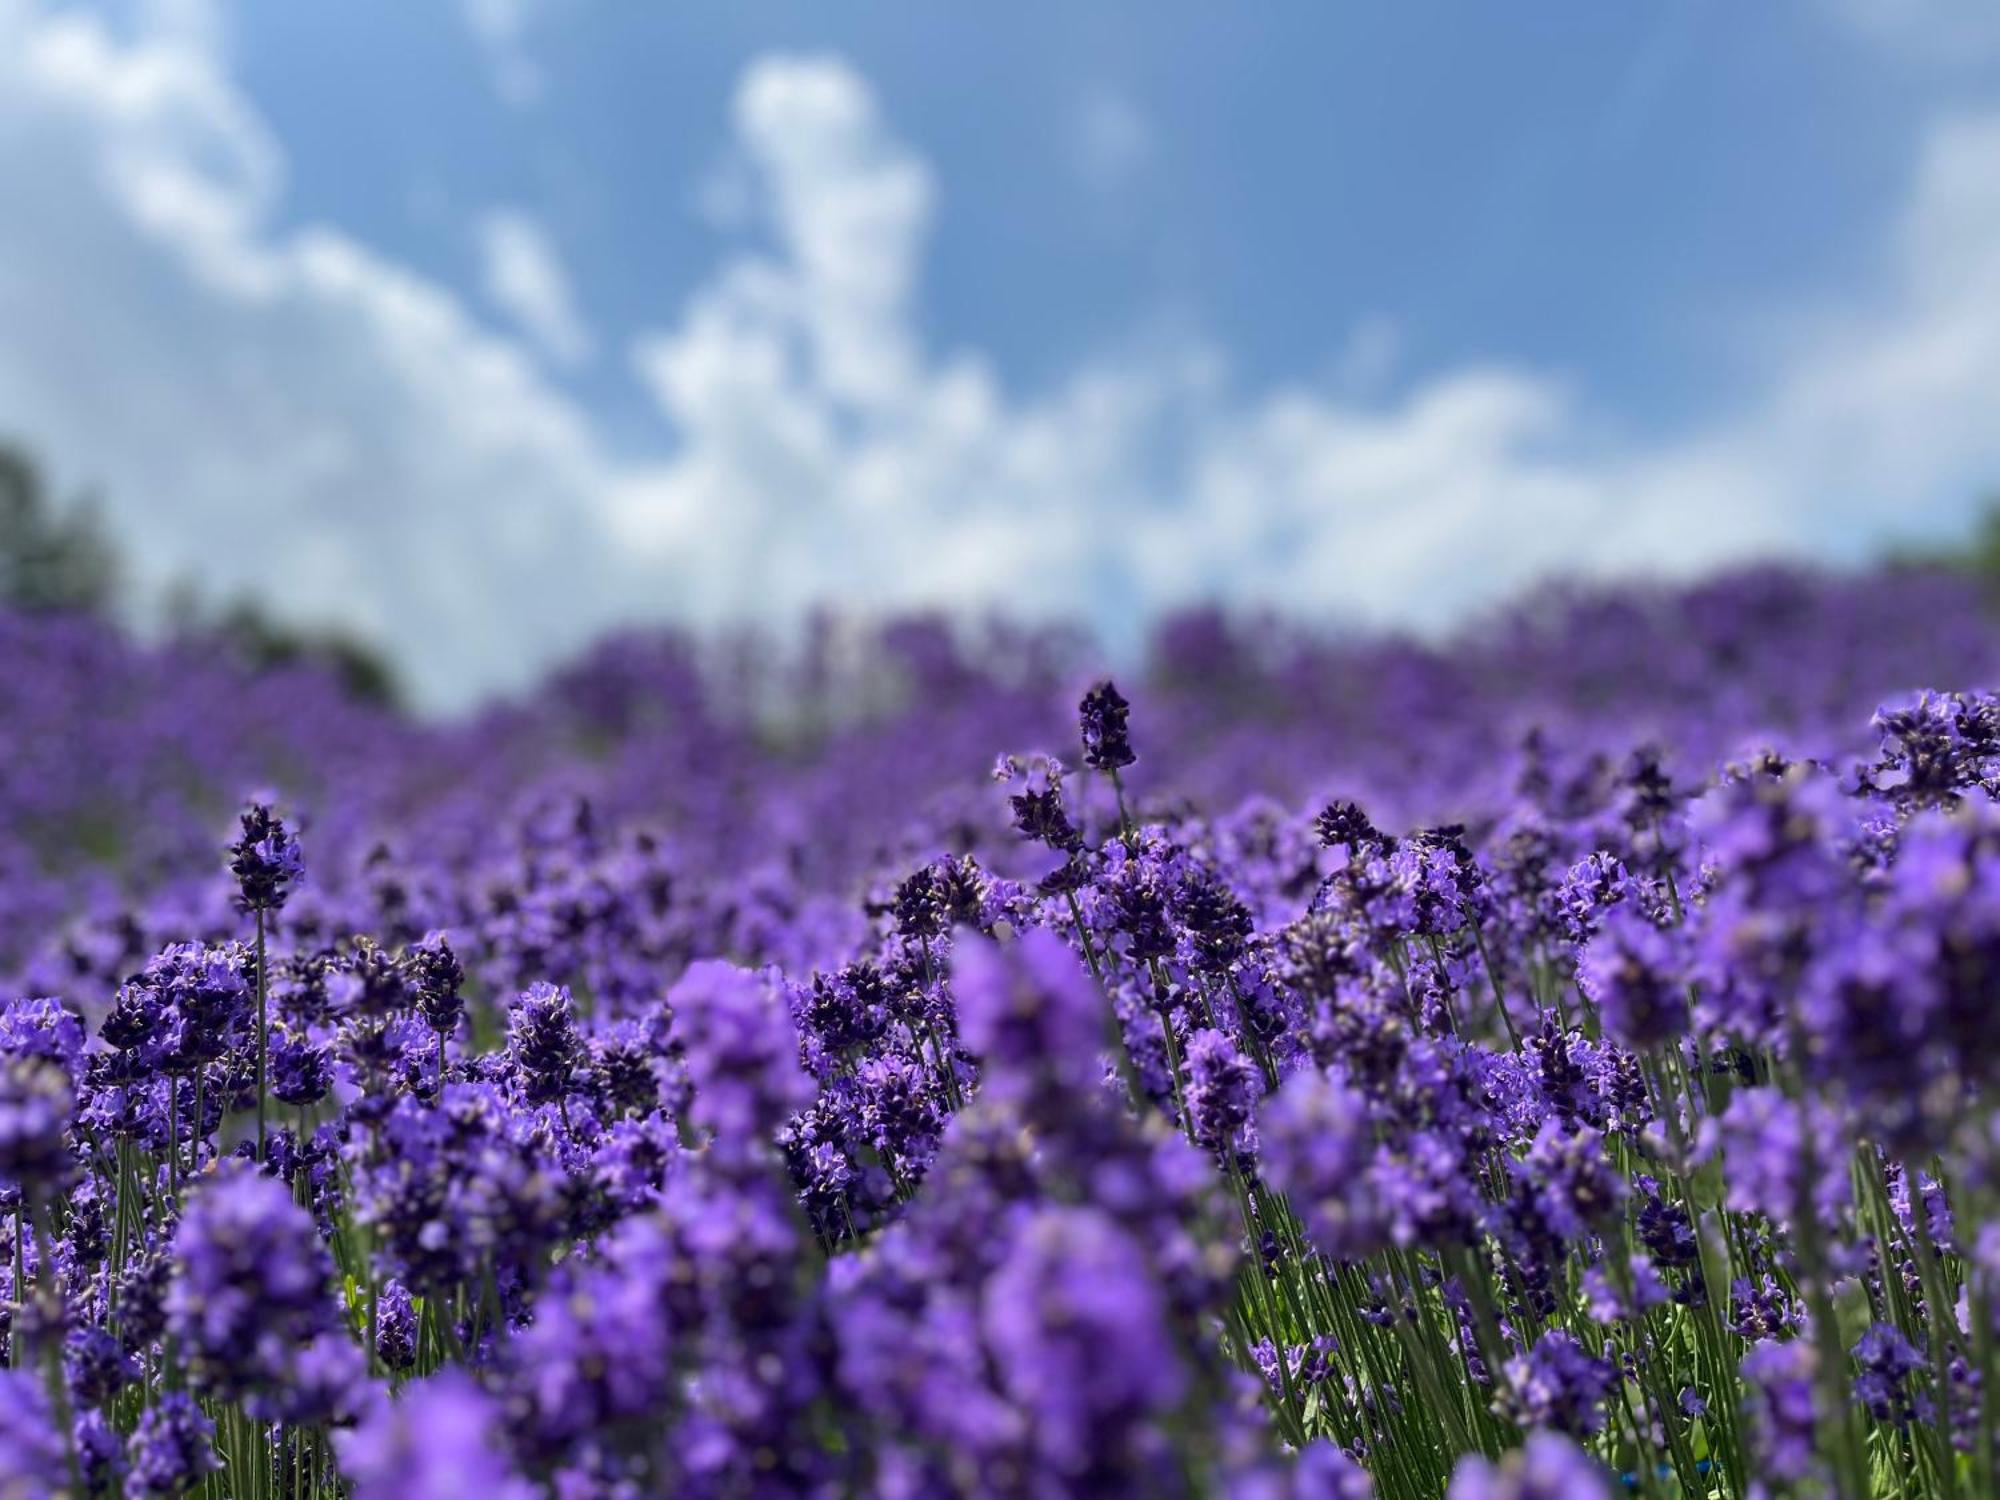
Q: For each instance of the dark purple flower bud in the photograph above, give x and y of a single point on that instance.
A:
(1763, 1311)
(368, 984)
(1887, 1360)
(1665, 1229)
(142, 1297)
(204, 1004)
(100, 1455)
(1222, 1091)
(918, 906)
(265, 860)
(624, 1068)
(1039, 813)
(98, 1366)
(1343, 825)
(1574, 1184)
(1214, 922)
(436, 977)
(301, 1070)
(1041, 817)
(1102, 715)
(136, 1023)
(396, 1326)
(543, 1043)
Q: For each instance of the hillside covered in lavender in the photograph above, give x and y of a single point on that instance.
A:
(1549, 1062)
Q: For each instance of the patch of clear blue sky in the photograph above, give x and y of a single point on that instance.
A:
(1619, 193)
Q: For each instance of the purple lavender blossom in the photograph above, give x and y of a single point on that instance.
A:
(1559, 1384)
(301, 1070)
(1103, 714)
(741, 1052)
(1222, 1092)
(543, 1043)
(1636, 979)
(395, 1326)
(265, 860)
(1077, 1331)
(1886, 1360)
(1762, 1140)
(251, 1293)
(1548, 1466)
(172, 1449)
(1778, 1399)
(839, 1145)
(36, 1103)
(45, 1028)
(1030, 1013)
(32, 1456)
(436, 977)
(1316, 1144)
(438, 1440)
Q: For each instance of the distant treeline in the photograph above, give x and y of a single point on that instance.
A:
(59, 557)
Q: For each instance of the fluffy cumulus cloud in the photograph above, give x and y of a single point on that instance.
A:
(815, 425)
(525, 279)
(288, 409)
(283, 412)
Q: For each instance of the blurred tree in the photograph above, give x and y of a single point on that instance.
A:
(51, 557)
(1977, 555)
(59, 557)
(264, 643)
(1980, 555)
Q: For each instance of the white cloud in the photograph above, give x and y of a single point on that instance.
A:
(1112, 139)
(502, 27)
(290, 410)
(1368, 360)
(524, 276)
(1151, 479)
(1946, 33)
(284, 412)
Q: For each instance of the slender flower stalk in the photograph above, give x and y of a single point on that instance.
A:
(266, 862)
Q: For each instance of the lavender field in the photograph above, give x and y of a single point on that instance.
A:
(1547, 1065)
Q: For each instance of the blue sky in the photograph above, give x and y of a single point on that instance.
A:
(483, 326)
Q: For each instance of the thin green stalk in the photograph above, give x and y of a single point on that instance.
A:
(263, 1032)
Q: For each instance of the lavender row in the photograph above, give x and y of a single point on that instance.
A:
(772, 1104)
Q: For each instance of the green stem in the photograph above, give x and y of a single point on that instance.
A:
(263, 1033)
